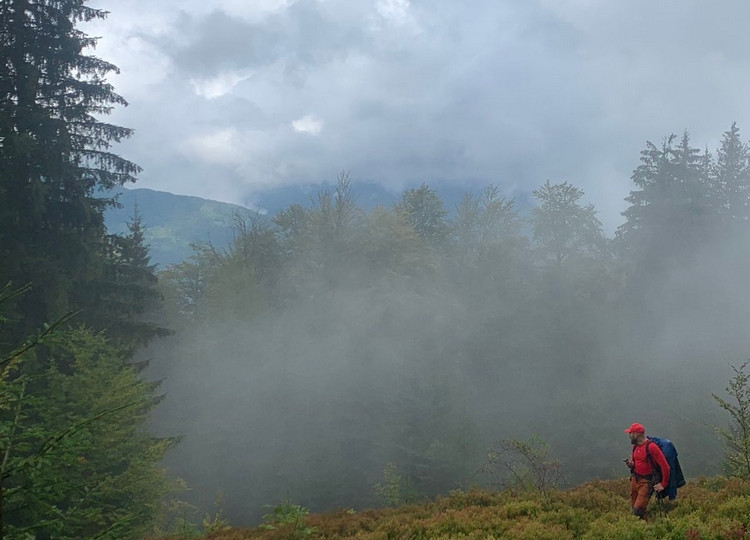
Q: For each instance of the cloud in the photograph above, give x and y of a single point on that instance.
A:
(396, 12)
(223, 146)
(255, 11)
(217, 86)
(308, 124)
(505, 92)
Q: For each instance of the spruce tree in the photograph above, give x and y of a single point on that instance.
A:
(77, 463)
(55, 155)
(731, 179)
(125, 301)
(669, 213)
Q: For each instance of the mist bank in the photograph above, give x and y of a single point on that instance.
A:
(323, 346)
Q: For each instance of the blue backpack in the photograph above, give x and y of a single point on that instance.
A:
(676, 478)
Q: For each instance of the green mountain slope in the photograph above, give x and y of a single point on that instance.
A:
(173, 222)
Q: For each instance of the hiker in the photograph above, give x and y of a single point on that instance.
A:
(649, 471)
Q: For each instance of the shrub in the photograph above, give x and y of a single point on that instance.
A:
(736, 508)
(737, 436)
(289, 517)
(523, 466)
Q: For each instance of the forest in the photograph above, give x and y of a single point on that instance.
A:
(332, 357)
(329, 348)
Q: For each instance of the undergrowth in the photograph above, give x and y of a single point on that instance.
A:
(708, 508)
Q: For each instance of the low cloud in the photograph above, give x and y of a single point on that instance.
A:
(308, 124)
(499, 92)
(219, 85)
(223, 146)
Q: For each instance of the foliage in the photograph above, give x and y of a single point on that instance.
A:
(125, 301)
(523, 466)
(729, 181)
(395, 489)
(76, 460)
(485, 220)
(595, 510)
(562, 227)
(737, 436)
(423, 210)
(55, 155)
(178, 517)
(291, 519)
(217, 522)
(670, 211)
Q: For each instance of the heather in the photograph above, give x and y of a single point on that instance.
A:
(706, 508)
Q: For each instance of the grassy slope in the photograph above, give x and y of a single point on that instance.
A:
(173, 222)
(705, 508)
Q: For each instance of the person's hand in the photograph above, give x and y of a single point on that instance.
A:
(629, 463)
(658, 488)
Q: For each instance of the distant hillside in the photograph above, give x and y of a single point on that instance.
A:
(173, 222)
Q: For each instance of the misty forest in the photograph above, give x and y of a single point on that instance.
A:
(335, 357)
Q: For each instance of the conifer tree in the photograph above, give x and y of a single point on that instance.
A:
(76, 461)
(56, 154)
(669, 213)
(125, 300)
(731, 179)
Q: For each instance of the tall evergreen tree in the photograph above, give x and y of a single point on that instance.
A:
(55, 154)
(669, 214)
(125, 300)
(69, 473)
(731, 178)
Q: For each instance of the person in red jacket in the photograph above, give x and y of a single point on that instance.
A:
(649, 471)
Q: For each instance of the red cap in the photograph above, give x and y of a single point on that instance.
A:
(636, 428)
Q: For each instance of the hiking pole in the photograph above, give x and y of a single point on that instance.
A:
(660, 505)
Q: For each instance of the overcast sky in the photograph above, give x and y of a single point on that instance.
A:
(229, 97)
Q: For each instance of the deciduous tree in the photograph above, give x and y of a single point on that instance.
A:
(424, 211)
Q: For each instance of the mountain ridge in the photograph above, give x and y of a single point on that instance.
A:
(173, 222)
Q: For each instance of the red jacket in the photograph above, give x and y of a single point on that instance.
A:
(643, 465)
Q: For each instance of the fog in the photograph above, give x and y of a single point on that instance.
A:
(318, 349)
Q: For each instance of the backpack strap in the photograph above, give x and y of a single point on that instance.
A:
(655, 470)
(648, 455)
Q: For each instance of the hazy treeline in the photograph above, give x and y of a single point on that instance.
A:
(328, 343)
